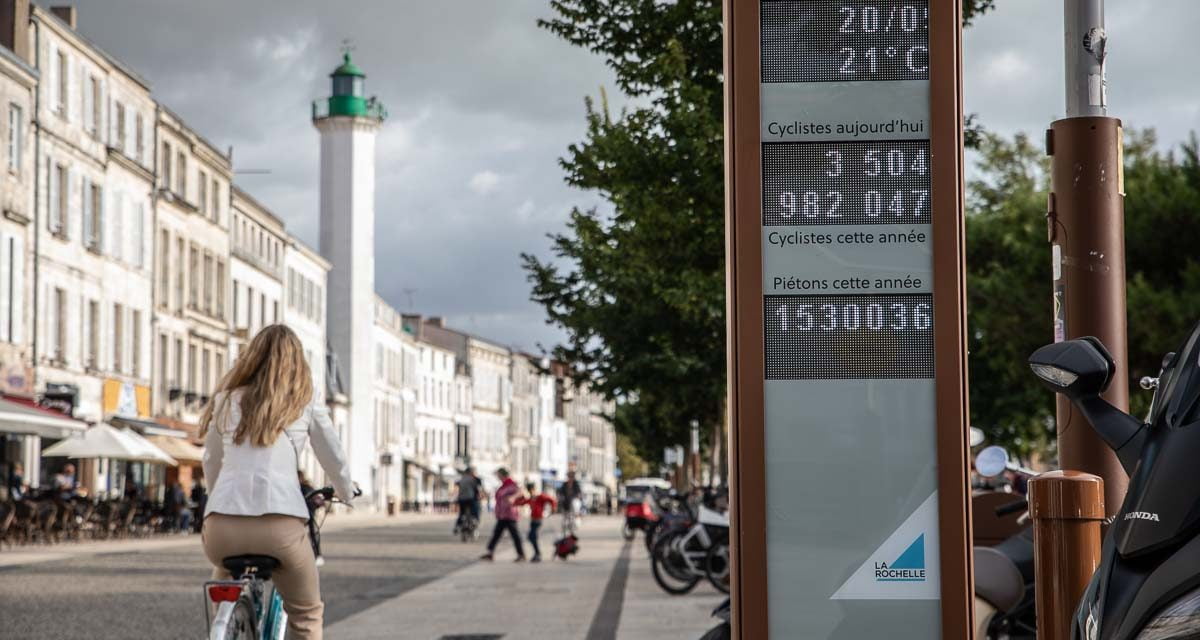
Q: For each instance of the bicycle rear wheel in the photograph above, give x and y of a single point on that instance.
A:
(716, 566)
(234, 621)
(670, 567)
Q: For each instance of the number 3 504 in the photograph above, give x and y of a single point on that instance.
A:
(896, 316)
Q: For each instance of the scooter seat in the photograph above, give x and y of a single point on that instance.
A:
(997, 579)
(261, 566)
(1019, 549)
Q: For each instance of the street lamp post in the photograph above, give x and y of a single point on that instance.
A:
(1085, 218)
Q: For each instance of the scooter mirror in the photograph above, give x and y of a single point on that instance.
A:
(992, 461)
(977, 437)
(1074, 368)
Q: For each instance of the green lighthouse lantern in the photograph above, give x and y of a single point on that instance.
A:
(348, 97)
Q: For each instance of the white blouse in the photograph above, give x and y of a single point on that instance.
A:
(245, 480)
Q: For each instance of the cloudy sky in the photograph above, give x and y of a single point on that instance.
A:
(483, 103)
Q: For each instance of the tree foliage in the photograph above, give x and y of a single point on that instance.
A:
(639, 288)
(1009, 279)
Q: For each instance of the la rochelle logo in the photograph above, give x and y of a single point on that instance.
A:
(909, 567)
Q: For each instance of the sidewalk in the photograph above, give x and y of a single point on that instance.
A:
(35, 554)
(606, 592)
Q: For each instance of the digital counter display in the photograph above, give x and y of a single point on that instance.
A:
(870, 336)
(846, 182)
(855, 40)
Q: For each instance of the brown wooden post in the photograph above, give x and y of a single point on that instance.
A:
(1067, 508)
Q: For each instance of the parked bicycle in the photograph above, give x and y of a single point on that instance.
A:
(247, 606)
(681, 558)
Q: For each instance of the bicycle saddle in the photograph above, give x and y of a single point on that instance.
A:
(261, 566)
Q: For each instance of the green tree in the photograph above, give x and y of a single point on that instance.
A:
(639, 288)
(1008, 263)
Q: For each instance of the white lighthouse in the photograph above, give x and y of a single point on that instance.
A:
(348, 123)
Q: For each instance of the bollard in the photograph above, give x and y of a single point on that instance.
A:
(1067, 508)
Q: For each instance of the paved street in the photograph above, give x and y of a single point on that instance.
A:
(383, 579)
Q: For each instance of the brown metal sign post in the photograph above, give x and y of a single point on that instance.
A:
(847, 323)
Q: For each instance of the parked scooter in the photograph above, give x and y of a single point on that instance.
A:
(1004, 587)
(1147, 586)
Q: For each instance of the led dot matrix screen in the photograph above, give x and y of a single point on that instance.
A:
(879, 182)
(854, 40)
(869, 336)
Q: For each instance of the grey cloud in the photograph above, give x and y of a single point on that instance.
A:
(475, 86)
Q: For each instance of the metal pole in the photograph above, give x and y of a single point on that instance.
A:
(1083, 22)
(1085, 216)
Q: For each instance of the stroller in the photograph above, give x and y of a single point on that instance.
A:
(568, 544)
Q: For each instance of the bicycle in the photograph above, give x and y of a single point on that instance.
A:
(683, 556)
(248, 607)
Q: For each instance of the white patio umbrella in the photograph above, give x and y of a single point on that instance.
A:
(104, 441)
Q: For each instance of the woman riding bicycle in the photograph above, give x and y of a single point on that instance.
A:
(255, 505)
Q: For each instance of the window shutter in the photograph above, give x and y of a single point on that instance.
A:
(52, 77)
(72, 90)
(118, 218)
(89, 110)
(17, 295)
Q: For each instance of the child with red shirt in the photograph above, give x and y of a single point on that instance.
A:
(537, 511)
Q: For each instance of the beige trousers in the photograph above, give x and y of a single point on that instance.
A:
(284, 538)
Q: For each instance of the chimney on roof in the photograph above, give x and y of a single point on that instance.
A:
(436, 321)
(67, 14)
(14, 27)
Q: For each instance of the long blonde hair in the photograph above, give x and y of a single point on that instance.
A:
(276, 386)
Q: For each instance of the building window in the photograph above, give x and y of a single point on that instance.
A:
(92, 215)
(139, 138)
(58, 201)
(262, 310)
(97, 103)
(58, 325)
(216, 201)
(237, 320)
(166, 165)
(60, 105)
(220, 357)
(193, 375)
(139, 235)
(135, 331)
(275, 312)
(180, 273)
(208, 283)
(181, 175)
(202, 198)
(120, 117)
(194, 276)
(15, 137)
(220, 286)
(118, 353)
(178, 381)
(163, 385)
(93, 336)
(205, 371)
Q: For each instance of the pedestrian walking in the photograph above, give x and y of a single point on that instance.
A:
(538, 503)
(506, 515)
(570, 501)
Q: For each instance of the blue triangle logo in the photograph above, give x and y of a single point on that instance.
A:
(913, 557)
